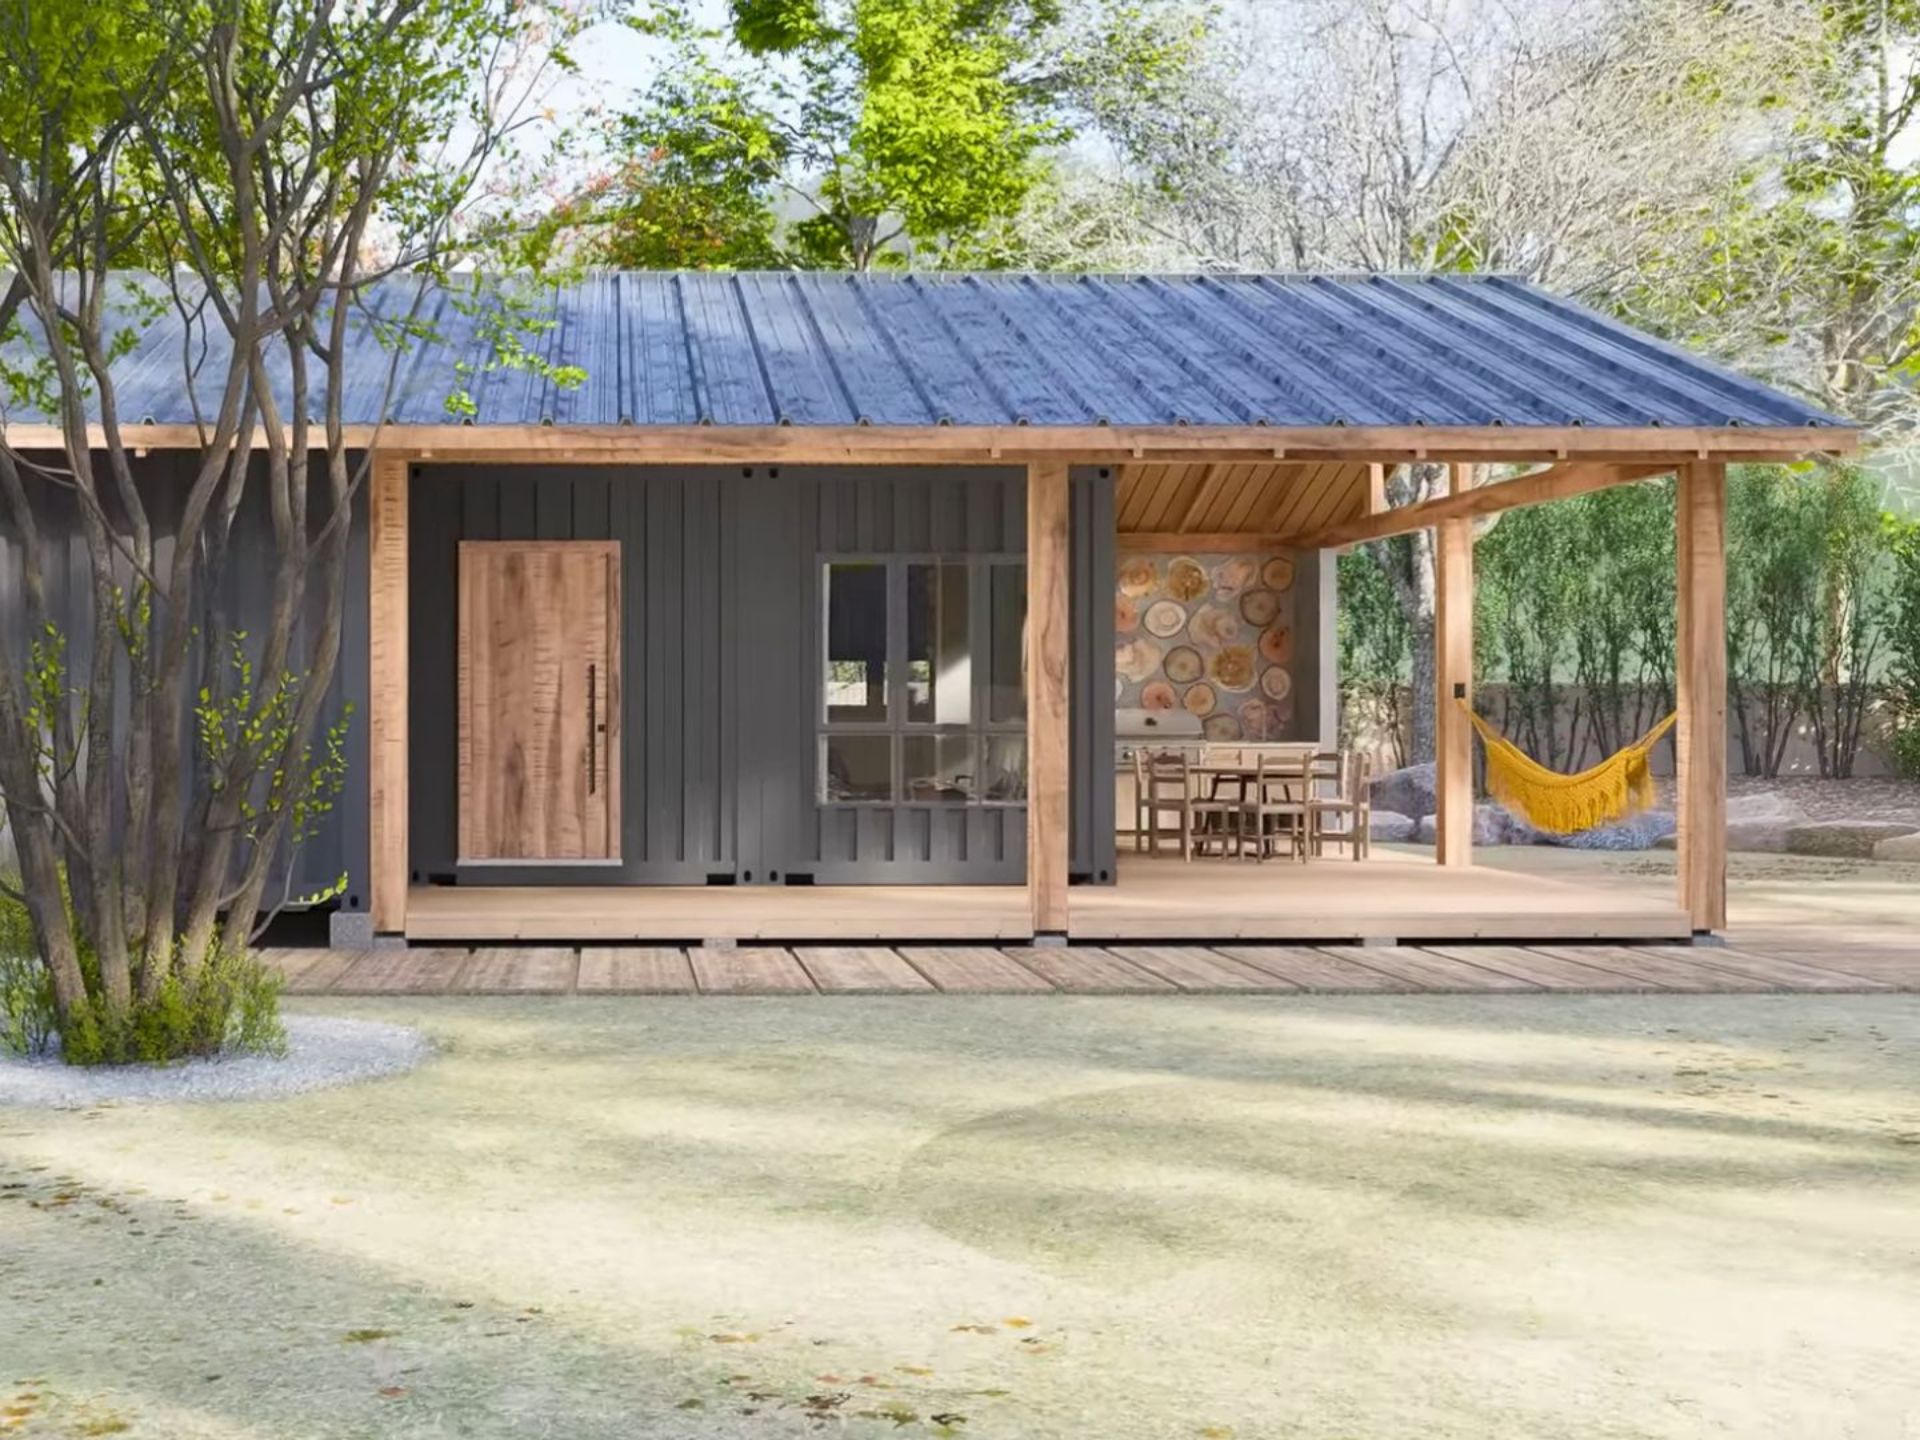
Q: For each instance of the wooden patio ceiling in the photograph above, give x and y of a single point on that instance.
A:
(1224, 498)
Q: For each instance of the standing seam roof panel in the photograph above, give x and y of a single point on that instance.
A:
(974, 350)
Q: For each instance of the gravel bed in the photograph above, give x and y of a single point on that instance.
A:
(322, 1052)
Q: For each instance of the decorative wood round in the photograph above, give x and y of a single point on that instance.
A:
(1232, 668)
(1139, 576)
(1258, 607)
(1186, 579)
(1137, 659)
(1277, 573)
(1276, 645)
(1230, 577)
(1184, 665)
(1200, 699)
(1165, 619)
(1254, 719)
(1276, 683)
(1213, 626)
(1157, 696)
(1126, 614)
(1221, 727)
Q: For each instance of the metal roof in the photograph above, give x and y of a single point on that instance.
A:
(980, 349)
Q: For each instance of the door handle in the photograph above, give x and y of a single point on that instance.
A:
(593, 728)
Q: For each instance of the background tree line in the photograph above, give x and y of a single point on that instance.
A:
(1574, 624)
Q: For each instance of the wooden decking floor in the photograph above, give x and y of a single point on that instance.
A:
(1785, 964)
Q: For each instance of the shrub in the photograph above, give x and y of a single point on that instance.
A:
(230, 1005)
(1903, 641)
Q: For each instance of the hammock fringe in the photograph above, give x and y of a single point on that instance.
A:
(1619, 786)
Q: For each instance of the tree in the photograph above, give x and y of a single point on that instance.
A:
(1806, 266)
(1555, 141)
(857, 132)
(265, 167)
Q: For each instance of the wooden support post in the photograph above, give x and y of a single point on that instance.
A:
(1049, 619)
(1453, 682)
(387, 694)
(1700, 738)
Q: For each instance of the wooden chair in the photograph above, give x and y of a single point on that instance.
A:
(1277, 807)
(1349, 803)
(1164, 786)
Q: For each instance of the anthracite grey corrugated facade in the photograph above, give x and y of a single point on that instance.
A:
(980, 349)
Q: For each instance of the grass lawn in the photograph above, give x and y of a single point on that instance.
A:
(1425, 1216)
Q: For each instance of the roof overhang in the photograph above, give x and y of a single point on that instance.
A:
(1094, 444)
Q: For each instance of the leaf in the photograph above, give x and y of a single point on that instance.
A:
(365, 1337)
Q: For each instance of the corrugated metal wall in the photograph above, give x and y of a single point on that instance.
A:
(721, 663)
(163, 477)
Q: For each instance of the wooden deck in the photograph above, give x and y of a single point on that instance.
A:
(1395, 895)
(1792, 963)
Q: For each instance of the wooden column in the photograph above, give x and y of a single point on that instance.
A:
(1049, 618)
(1700, 553)
(387, 693)
(1453, 681)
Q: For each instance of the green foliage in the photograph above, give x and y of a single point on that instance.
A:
(1375, 646)
(1903, 643)
(230, 1004)
(27, 1020)
(924, 123)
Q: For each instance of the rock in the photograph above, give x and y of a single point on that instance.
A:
(1768, 837)
(1898, 847)
(1390, 826)
(1404, 792)
(1844, 839)
(1491, 826)
(1767, 805)
(1636, 832)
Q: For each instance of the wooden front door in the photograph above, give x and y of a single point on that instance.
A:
(539, 675)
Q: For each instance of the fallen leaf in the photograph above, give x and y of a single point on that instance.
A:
(363, 1337)
(1017, 1322)
(392, 1392)
(914, 1369)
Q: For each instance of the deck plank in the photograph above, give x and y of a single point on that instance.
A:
(1427, 971)
(1785, 974)
(1548, 970)
(401, 972)
(972, 970)
(757, 970)
(1314, 970)
(539, 970)
(860, 970)
(1637, 968)
(324, 971)
(1086, 970)
(635, 970)
(1192, 968)
(289, 962)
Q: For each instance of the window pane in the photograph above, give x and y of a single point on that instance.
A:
(856, 678)
(937, 769)
(1004, 776)
(856, 767)
(939, 652)
(1006, 623)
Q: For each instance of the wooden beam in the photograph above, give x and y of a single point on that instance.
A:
(1376, 489)
(387, 693)
(1016, 444)
(1556, 482)
(1700, 550)
(1049, 650)
(1453, 682)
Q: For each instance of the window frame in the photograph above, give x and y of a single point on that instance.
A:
(897, 726)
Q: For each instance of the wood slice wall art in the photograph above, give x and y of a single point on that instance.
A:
(1210, 634)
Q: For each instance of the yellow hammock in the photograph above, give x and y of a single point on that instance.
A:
(1618, 786)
